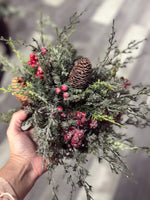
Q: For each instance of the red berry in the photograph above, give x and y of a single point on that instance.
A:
(65, 95)
(60, 109)
(78, 123)
(93, 123)
(128, 84)
(75, 139)
(58, 90)
(79, 133)
(37, 63)
(33, 65)
(83, 114)
(36, 76)
(38, 72)
(40, 68)
(35, 58)
(33, 61)
(43, 50)
(32, 55)
(83, 120)
(41, 76)
(78, 115)
(29, 62)
(68, 136)
(63, 114)
(64, 87)
(76, 145)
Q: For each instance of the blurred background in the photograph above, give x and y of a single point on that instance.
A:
(18, 20)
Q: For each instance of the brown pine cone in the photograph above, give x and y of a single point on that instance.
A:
(80, 74)
(18, 84)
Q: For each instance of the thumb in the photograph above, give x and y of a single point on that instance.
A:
(16, 121)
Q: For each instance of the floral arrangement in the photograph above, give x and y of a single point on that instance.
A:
(75, 107)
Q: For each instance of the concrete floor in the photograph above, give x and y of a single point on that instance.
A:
(91, 36)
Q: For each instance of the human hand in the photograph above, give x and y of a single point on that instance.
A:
(24, 165)
(22, 146)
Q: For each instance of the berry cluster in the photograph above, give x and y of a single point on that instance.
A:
(125, 82)
(39, 73)
(75, 134)
(83, 121)
(33, 62)
(63, 88)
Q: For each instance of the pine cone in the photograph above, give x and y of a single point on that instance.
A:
(18, 84)
(80, 74)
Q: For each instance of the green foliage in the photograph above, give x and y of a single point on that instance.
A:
(108, 101)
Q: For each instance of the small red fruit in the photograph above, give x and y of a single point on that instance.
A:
(128, 84)
(83, 120)
(29, 62)
(43, 50)
(93, 124)
(57, 90)
(78, 115)
(65, 95)
(80, 134)
(64, 87)
(33, 65)
(78, 123)
(38, 72)
(83, 114)
(60, 109)
(63, 115)
(41, 76)
(75, 139)
(32, 55)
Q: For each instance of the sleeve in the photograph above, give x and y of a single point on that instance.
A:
(6, 191)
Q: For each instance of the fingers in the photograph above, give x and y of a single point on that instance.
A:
(16, 121)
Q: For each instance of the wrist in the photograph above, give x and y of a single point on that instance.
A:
(19, 173)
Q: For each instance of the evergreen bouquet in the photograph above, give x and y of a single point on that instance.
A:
(74, 107)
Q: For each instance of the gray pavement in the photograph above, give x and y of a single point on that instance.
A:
(91, 36)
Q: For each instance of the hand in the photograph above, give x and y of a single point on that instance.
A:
(22, 146)
(24, 166)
